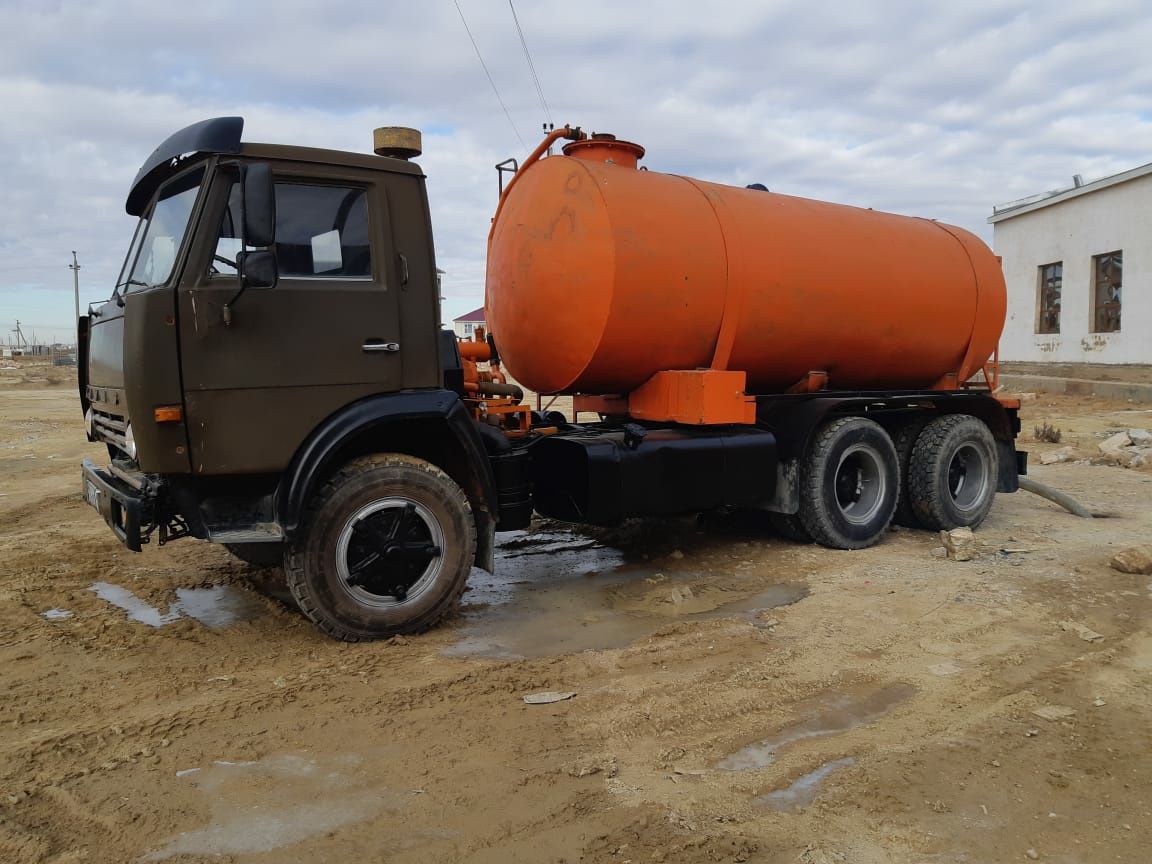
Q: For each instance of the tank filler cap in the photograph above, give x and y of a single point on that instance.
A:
(606, 148)
(397, 142)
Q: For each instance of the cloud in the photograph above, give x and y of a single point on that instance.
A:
(940, 111)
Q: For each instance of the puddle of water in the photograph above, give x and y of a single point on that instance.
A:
(828, 717)
(56, 614)
(260, 806)
(804, 790)
(217, 606)
(558, 592)
(136, 608)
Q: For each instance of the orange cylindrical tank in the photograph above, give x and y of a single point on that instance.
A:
(601, 275)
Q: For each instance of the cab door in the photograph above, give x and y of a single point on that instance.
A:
(326, 335)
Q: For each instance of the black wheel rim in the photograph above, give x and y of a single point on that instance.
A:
(389, 552)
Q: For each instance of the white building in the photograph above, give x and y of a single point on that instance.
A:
(1078, 263)
(466, 325)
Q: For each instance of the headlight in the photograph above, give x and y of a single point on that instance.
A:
(88, 424)
(130, 442)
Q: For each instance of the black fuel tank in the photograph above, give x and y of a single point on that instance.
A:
(606, 473)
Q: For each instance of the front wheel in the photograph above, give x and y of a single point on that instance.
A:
(850, 483)
(386, 548)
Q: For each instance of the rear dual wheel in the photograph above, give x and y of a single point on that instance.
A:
(952, 473)
(904, 438)
(850, 482)
(937, 474)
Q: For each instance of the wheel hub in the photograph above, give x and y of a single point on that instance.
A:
(967, 476)
(860, 484)
(389, 552)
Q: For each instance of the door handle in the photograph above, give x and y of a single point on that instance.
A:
(378, 345)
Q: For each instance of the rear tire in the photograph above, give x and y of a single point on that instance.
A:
(952, 476)
(260, 555)
(849, 484)
(904, 440)
(386, 548)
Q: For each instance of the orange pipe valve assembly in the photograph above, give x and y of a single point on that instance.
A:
(683, 296)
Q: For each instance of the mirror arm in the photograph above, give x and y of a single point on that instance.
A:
(243, 245)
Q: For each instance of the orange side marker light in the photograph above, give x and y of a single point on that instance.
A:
(168, 414)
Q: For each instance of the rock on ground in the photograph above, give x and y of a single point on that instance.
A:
(1064, 454)
(1112, 445)
(960, 543)
(1140, 437)
(1135, 559)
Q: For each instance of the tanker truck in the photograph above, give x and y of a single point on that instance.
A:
(270, 373)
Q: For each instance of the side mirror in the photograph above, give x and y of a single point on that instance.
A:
(258, 205)
(258, 268)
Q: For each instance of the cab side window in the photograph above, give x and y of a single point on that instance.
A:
(321, 232)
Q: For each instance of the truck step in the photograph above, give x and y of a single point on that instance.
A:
(260, 532)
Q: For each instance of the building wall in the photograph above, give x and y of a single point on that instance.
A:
(464, 329)
(1073, 231)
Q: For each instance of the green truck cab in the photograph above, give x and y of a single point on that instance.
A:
(275, 327)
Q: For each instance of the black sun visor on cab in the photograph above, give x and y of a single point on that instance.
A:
(217, 135)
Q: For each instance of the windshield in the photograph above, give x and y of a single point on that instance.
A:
(159, 234)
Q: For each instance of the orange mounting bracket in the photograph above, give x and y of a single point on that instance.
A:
(699, 397)
(813, 382)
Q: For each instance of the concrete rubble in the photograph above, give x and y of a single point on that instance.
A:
(1064, 454)
(959, 543)
(1131, 448)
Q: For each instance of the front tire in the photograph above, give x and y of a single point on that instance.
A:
(386, 548)
(952, 475)
(850, 483)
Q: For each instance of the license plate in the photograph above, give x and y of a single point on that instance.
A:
(91, 494)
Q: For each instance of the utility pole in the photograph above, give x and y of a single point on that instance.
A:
(75, 268)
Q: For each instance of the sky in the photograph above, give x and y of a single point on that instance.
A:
(937, 110)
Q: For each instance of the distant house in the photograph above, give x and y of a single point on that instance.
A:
(466, 325)
(1078, 264)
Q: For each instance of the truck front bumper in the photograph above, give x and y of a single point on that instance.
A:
(121, 506)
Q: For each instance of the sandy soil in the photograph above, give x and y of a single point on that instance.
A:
(738, 698)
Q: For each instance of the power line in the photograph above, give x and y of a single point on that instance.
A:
(489, 74)
(531, 65)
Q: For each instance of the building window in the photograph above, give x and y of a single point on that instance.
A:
(1051, 282)
(467, 329)
(1107, 276)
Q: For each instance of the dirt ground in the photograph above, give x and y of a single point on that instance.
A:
(1088, 371)
(738, 697)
